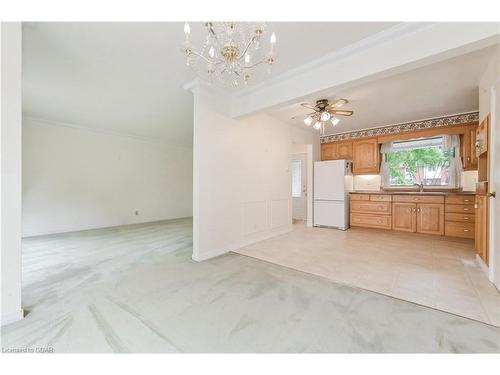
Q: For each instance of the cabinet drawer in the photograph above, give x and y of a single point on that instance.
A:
(460, 199)
(418, 198)
(370, 206)
(460, 208)
(360, 197)
(371, 221)
(380, 198)
(464, 230)
(462, 218)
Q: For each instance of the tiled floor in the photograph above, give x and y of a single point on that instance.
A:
(427, 270)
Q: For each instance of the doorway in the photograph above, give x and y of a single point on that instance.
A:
(299, 188)
(301, 160)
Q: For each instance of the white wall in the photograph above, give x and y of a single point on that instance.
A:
(242, 189)
(11, 172)
(76, 179)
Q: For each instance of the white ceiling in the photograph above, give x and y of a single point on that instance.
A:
(128, 77)
(447, 87)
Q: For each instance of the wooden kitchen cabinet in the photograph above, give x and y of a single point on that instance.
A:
(344, 150)
(404, 216)
(482, 137)
(327, 151)
(427, 218)
(365, 156)
(430, 218)
(336, 150)
(469, 157)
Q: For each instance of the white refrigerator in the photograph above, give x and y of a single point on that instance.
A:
(332, 183)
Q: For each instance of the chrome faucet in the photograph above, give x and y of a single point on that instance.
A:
(420, 186)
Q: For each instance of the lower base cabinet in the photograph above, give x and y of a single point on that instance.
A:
(430, 218)
(427, 218)
(451, 216)
(404, 217)
(371, 221)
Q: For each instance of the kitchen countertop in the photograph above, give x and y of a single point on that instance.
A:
(387, 192)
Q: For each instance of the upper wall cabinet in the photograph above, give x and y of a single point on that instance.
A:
(469, 157)
(365, 156)
(336, 150)
(482, 138)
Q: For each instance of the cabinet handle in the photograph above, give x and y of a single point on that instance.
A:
(466, 230)
(418, 210)
(466, 218)
(466, 209)
(414, 210)
(466, 200)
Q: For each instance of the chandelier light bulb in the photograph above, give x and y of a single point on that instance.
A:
(211, 52)
(247, 58)
(335, 120)
(308, 121)
(272, 39)
(187, 29)
(317, 125)
(325, 116)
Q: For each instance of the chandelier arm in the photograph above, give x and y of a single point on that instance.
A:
(204, 58)
(257, 63)
(247, 47)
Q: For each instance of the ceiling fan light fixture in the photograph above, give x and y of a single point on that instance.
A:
(325, 116)
(308, 121)
(335, 120)
(317, 125)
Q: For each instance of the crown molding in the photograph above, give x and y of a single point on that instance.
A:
(38, 121)
(404, 127)
(397, 31)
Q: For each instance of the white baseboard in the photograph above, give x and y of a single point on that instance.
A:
(12, 317)
(217, 252)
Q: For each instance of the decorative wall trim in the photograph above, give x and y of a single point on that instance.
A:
(438, 122)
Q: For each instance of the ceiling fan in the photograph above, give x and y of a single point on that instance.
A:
(324, 112)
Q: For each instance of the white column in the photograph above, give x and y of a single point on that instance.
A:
(11, 190)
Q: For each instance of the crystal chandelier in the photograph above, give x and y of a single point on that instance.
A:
(231, 51)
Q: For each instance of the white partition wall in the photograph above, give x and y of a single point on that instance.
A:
(11, 172)
(242, 190)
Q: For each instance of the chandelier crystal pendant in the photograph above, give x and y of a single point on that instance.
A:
(231, 51)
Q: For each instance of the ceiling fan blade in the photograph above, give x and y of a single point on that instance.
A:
(307, 105)
(339, 103)
(341, 112)
(304, 116)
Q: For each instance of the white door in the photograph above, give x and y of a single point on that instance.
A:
(329, 180)
(299, 186)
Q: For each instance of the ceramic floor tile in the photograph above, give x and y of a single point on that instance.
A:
(421, 269)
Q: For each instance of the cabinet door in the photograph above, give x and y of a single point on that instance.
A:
(430, 218)
(328, 151)
(469, 148)
(404, 216)
(482, 137)
(366, 156)
(344, 150)
(482, 230)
